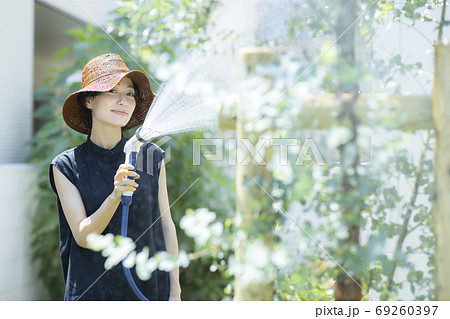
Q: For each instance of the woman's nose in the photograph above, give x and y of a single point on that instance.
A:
(122, 99)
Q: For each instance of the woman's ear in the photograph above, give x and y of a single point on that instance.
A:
(87, 102)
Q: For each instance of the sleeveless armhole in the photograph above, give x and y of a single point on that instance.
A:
(152, 157)
(65, 165)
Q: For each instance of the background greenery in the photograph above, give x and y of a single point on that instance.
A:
(342, 196)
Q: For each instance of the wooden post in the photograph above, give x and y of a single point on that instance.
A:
(441, 117)
(247, 191)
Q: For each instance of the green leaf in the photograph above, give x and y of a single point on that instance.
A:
(386, 7)
(62, 52)
(78, 33)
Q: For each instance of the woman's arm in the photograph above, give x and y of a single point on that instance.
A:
(75, 212)
(170, 235)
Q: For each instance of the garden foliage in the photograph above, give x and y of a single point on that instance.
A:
(320, 220)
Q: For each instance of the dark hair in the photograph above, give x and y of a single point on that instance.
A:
(137, 94)
(83, 96)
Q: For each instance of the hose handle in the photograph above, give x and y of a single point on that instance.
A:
(130, 158)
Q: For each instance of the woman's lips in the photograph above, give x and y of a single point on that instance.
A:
(123, 113)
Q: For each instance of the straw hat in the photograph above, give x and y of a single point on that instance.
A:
(101, 74)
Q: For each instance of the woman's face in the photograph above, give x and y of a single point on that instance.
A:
(113, 108)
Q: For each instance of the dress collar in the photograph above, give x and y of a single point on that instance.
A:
(103, 151)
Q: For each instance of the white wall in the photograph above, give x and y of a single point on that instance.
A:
(17, 273)
(17, 276)
(16, 80)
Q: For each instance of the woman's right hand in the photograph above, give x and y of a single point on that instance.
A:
(122, 183)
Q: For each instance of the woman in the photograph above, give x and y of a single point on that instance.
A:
(90, 179)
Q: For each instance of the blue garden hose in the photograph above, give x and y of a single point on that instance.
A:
(126, 270)
(126, 202)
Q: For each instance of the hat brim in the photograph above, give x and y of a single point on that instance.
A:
(77, 119)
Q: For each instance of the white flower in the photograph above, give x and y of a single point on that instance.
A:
(280, 258)
(183, 259)
(257, 254)
(130, 260)
(100, 242)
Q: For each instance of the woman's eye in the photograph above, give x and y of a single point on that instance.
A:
(130, 94)
(112, 91)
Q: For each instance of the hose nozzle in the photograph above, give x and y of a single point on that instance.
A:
(131, 150)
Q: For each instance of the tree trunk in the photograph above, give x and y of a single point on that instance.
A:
(441, 116)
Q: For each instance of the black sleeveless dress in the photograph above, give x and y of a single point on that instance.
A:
(91, 169)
